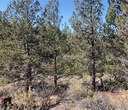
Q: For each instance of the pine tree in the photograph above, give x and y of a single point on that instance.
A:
(87, 22)
(6, 45)
(51, 19)
(22, 16)
(117, 18)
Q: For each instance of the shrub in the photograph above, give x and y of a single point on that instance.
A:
(77, 89)
(31, 101)
(4, 81)
(96, 103)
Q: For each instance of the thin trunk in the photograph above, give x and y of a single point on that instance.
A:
(55, 72)
(29, 76)
(93, 51)
(28, 70)
(93, 67)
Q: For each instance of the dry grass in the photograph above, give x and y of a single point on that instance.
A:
(76, 89)
(21, 98)
(4, 81)
(100, 101)
(79, 100)
(32, 101)
(119, 99)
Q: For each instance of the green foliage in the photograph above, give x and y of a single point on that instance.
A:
(18, 39)
(116, 40)
(86, 23)
(54, 39)
(32, 41)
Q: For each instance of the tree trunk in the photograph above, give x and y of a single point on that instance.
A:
(28, 70)
(93, 66)
(93, 50)
(29, 77)
(55, 72)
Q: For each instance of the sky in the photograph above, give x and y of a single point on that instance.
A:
(66, 7)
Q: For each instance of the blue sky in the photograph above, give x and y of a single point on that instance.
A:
(66, 7)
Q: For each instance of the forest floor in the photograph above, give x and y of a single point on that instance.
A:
(65, 98)
(118, 100)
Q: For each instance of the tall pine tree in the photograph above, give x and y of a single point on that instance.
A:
(22, 16)
(117, 17)
(52, 19)
(86, 21)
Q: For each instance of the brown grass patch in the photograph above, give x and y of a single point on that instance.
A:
(118, 99)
